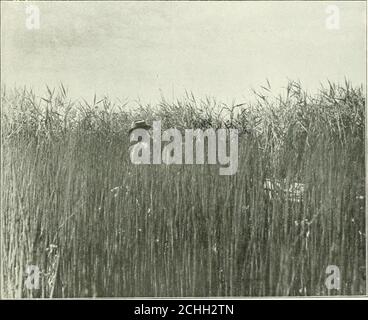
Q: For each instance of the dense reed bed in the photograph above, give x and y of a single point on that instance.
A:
(98, 226)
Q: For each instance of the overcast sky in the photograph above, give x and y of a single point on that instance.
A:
(136, 49)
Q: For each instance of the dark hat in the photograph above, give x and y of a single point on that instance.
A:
(139, 124)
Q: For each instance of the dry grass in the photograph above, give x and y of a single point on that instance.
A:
(97, 225)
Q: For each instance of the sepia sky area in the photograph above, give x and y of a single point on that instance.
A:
(142, 49)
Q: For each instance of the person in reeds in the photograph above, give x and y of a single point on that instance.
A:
(143, 147)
